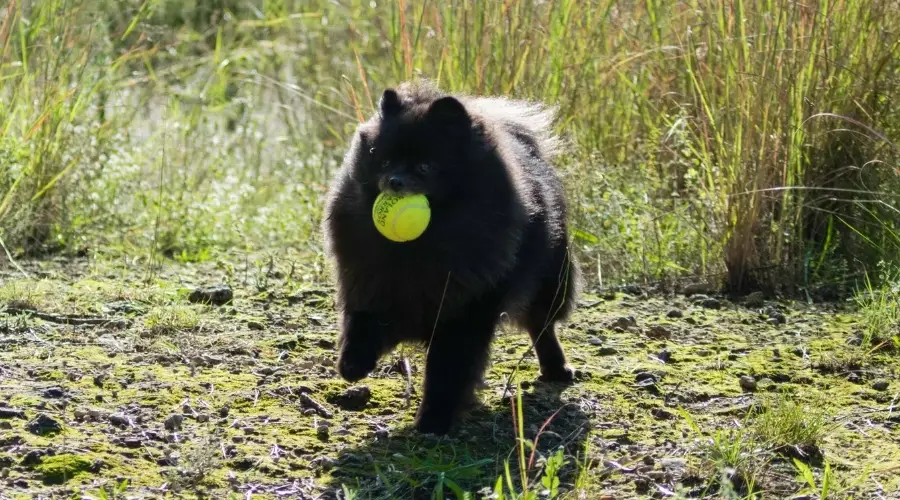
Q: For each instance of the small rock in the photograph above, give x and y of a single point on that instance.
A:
(255, 325)
(607, 351)
(661, 414)
(648, 460)
(675, 313)
(698, 288)
(217, 295)
(777, 320)
(624, 322)
(353, 399)
(595, 341)
(133, 442)
(43, 424)
(641, 485)
(658, 332)
(711, 303)
(854, 378)
(35, 457)
(325, 344)
(644, 377)
(880, 385)
(747, 383)
(665, 356)
(173, 422)
(754, 300)
(119, 420)
(55, 392)
(4, 425)
(7, 412)
(798, 351)
(223, 411)
(202, 417)
(656, 475)
(775, 317)
(324, 463)
(322, 432)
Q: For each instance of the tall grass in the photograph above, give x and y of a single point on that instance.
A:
(751, 141)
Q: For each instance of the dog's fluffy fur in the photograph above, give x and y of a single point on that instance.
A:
(497, 241)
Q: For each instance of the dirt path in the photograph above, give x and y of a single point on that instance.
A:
(241, 399)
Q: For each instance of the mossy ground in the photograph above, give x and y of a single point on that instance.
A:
(191, 400)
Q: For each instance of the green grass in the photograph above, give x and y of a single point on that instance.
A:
(879, 307)
(748, 141)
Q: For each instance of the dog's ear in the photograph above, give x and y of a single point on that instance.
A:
(448, 110)
(390, 103)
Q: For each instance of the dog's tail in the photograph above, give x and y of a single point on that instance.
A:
(534, 120)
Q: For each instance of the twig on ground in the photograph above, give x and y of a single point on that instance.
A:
(308, 401)
(13, 261)
(17, 307)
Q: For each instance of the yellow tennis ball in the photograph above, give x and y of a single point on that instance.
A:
(401, 218)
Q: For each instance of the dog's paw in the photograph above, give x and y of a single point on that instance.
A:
(562, 375)
(437, 423)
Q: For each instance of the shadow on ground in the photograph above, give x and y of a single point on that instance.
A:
(407, 464)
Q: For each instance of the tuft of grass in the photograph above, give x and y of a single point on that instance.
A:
(172, 318)
(786, 425)
(731, 458)
(879, 308)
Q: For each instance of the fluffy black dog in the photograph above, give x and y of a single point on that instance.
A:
(497, 241)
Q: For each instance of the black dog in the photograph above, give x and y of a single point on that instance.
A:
(497, 241)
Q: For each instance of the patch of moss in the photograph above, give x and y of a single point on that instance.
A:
(60, 468)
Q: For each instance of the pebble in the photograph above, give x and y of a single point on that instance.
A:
(7, 412)
(595, 341)
(624, 322)
(698, 289)
(119, 419)
(133, 442)
(880, 385)
(747, 383)
(322, 431)
(215, 294)
(607, 351)
(711, 303)
(658, 332)
(43, 424)
(354, 398)
(54, 392)
(173, 422)
(665, 356)
(675, 313)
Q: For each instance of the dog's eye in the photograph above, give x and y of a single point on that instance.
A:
(423, 168)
